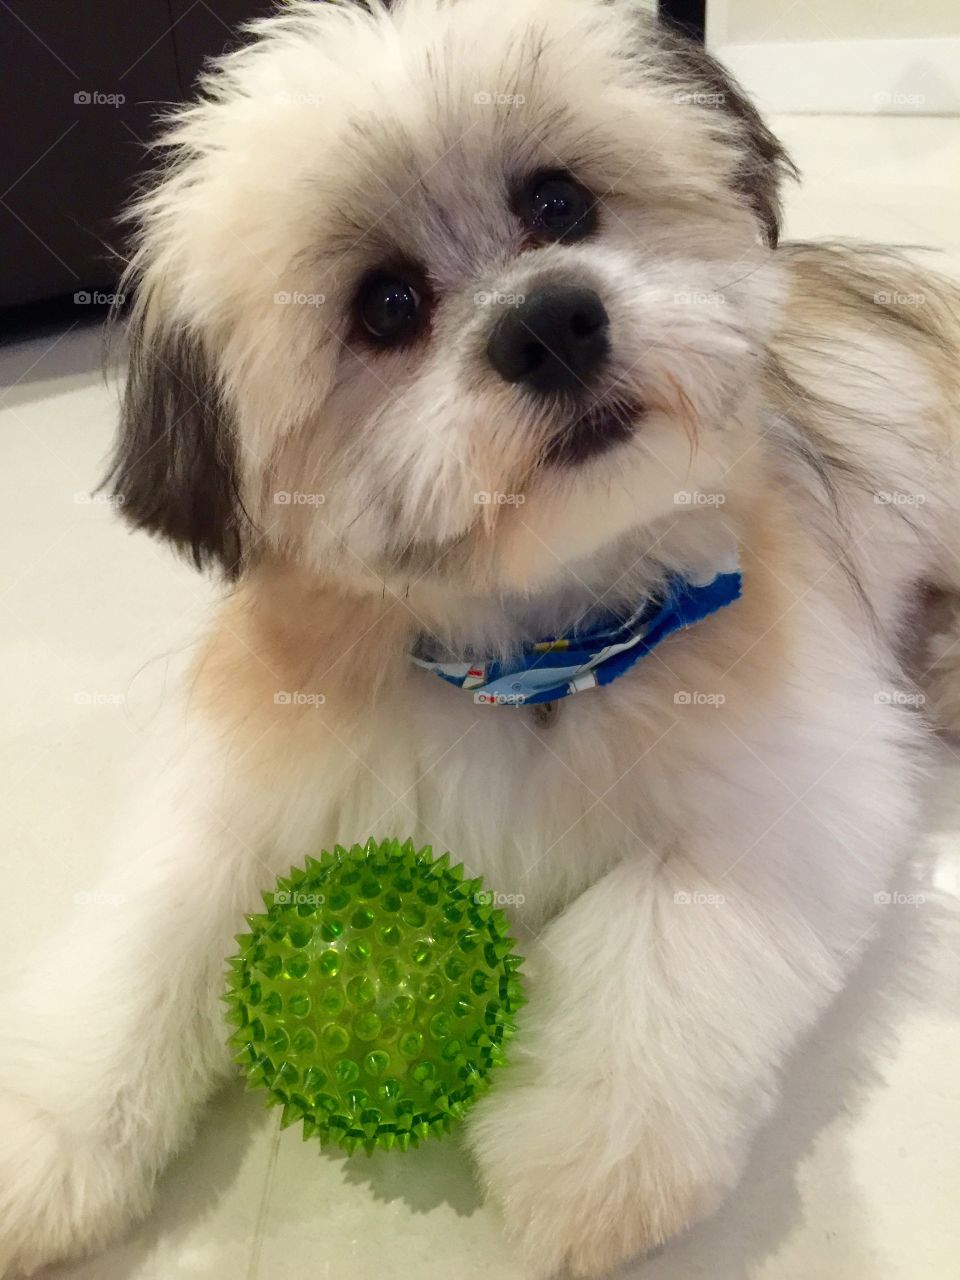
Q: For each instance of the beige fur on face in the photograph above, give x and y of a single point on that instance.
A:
(298, 176)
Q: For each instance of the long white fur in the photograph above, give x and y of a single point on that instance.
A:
(695, 879)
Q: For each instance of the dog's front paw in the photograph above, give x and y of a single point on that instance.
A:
(586, 1180)
(59, 1198)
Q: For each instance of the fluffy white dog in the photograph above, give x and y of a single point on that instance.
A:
(461, 327)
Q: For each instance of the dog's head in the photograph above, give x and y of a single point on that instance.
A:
(452, 290)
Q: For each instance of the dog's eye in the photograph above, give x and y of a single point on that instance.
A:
(557, 207)
(389, 308)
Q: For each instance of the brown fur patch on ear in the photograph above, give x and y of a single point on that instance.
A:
(765, 163)
(174, 469)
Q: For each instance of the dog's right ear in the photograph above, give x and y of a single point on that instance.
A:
(764, 163)
(174, 469)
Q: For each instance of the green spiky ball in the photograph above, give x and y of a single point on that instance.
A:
(374, 996)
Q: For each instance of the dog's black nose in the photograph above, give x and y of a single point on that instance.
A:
(555, 340)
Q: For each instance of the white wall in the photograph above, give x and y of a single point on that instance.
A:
(857, 57)
(749, 21)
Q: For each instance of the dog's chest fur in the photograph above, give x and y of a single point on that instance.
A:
(340, 737)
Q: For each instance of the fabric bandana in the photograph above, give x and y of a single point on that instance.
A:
(592, 658)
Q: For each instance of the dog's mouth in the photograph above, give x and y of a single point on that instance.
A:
(595, 430)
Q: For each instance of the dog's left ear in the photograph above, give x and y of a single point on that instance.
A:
(765, 163)
(174, 469)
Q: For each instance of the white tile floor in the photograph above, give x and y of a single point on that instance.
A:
(858, 1178)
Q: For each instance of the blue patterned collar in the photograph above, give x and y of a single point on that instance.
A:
(594, 657)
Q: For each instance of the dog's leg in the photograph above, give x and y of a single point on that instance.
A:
(664, 1000)
(113, 1036)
